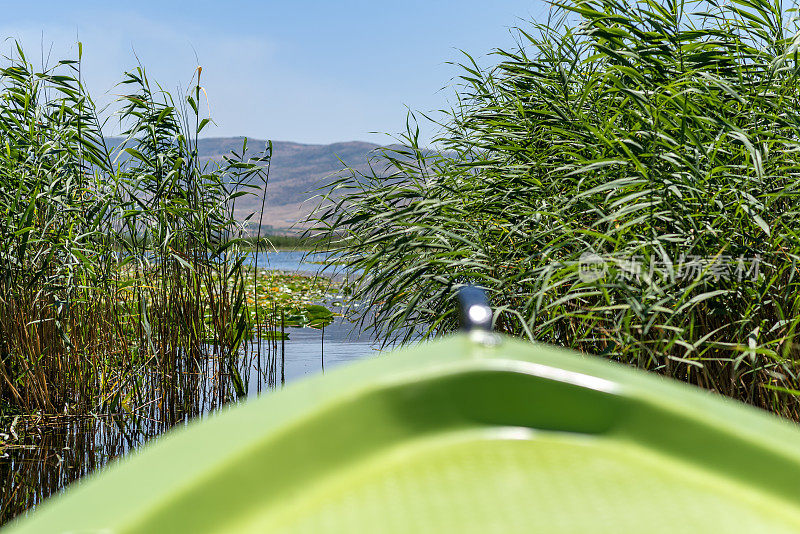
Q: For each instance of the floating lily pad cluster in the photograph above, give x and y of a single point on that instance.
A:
(272, 294)
(269, 296)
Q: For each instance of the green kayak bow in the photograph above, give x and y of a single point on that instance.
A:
(456, 435)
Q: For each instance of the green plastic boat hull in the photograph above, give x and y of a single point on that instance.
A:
(454, 436)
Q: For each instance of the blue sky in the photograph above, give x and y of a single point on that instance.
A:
(307, 71)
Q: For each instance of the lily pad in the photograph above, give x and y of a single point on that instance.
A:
(273, 334)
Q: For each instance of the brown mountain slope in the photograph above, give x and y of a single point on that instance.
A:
(296, 171)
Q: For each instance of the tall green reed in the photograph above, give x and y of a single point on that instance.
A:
(624, 183)
(121, 276)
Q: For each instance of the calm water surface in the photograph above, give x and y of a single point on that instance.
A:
(47, 455)
(288, 260)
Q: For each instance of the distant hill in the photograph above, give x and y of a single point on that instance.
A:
(296, 171)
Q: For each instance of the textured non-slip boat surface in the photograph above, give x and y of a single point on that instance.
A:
(541, 483)
(453, 436)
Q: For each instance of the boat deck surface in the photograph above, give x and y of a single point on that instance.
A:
(513, 480)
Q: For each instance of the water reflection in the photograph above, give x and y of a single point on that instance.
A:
(49, 453)
(44, 455)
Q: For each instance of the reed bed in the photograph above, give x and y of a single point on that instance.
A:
(40, 453)
(122, 272)
(623, 183)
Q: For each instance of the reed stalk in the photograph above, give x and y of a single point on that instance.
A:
(121, 268)
(624, 183)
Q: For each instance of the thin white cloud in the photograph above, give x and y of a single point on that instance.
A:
(256, 86)
(232, 64)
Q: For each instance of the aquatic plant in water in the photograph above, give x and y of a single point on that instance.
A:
(118, 264)
(624, 183)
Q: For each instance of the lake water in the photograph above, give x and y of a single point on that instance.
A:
(51, 454)
(288, 260)
(305, 352)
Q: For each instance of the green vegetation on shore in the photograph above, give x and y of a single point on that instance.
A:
(288, 242)
(122, 278)
(625, 184)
